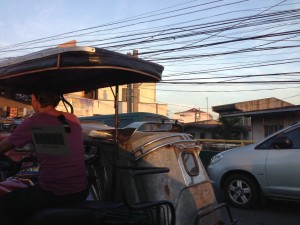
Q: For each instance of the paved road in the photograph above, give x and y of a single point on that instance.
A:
(271, 213)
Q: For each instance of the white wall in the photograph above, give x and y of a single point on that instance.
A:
(107, 107)
(258, 123)
(189, 117)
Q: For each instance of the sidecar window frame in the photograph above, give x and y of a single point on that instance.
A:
(191, 170)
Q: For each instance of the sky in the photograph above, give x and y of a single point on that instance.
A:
(214, 52)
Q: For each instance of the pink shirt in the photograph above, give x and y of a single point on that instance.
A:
(59, 174)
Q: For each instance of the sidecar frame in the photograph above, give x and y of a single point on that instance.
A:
(66, 70)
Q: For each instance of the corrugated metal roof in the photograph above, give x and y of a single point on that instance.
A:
(266, 111)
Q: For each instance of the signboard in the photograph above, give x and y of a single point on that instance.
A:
(50, 140)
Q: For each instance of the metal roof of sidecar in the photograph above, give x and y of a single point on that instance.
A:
(74, 69)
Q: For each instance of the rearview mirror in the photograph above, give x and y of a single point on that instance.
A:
(282, 143)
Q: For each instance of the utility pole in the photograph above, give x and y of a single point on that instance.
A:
(207, 108)
(135, 91)
(129, 95)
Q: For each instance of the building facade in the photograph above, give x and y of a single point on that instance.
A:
(192, 115)
(264, 116)
(100, 102)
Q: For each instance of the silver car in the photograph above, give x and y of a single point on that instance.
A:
(268, 169)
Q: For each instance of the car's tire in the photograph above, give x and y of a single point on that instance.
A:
(241, 191)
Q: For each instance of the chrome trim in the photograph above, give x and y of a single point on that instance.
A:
(184, 136)
(157, 147)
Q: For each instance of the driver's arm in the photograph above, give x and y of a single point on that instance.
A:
(5, 145)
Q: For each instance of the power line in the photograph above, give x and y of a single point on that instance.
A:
(52, 45)
(225, 91)
(269, 82)
(227, 76)
(192, 44)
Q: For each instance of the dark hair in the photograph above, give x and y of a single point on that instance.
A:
(47, 98)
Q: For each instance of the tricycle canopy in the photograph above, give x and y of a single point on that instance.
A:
(72, 69)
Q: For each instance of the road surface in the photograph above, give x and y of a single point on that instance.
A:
(270, 213)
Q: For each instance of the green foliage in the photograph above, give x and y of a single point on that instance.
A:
(230, 129)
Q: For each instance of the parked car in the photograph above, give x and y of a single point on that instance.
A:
(209, 149)
(267, 169)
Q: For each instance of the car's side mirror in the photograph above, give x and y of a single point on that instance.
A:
(282, 143)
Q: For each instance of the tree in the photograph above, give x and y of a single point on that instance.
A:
(230, 129)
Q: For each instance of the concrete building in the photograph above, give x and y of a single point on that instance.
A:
(99, 102)
(143, 99)
(202, 129)
(264, 116)
(192, 115)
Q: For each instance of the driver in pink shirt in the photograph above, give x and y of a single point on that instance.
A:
(62, 176)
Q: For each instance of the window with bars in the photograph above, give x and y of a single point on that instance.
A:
(124, 94)
(270, 129)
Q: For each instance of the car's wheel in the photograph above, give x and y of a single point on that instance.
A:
(241, 191)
